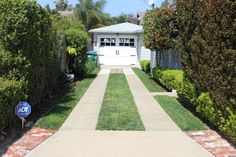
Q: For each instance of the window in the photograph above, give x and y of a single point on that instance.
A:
(108, 42)
(127, 42)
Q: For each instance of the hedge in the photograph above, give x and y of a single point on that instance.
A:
(203, 102)
(11, 92)
(29, 47)
(145, 65)
(208, 51)
(171, 79)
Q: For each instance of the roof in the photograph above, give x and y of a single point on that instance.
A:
(66, 13)
(119, 28)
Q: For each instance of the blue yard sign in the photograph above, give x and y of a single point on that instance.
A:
(23, 109)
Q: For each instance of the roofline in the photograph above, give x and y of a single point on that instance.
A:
(98, 30)
(111, 32)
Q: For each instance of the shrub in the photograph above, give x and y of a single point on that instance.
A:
(145, 65)
(160, 29)
(209, 56)
(90, 66)
(77, 39)
(11, 92)
(205, 107)
(171, 79)
(29, 43)
(230, 126)
(208, 52)
(187, 93)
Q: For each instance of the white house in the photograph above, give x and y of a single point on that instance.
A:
(120, 44)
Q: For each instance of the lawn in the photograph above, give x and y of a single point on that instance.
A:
(182, 117)
(118, 111)
(150, 84)
(58, 114)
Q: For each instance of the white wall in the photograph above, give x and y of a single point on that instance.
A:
(142, 52)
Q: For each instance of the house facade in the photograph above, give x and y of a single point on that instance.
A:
(120, 44)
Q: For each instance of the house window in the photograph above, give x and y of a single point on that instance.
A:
(108, 41)
(127, 42)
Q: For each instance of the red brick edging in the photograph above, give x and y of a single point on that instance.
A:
(213, 142)
(28, 142)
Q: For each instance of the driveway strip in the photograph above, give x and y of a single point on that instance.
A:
(153, 116)
(85, 114)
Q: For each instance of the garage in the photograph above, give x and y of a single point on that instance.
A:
(119, 44)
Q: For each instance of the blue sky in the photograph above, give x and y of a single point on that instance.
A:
(114, 7)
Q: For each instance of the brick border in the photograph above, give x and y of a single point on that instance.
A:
(28, 142)
(213, 142)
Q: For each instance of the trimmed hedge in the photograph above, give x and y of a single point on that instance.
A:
(11, 92)
(171, 79)
(145, 65)
(203, 103)
(208, 51)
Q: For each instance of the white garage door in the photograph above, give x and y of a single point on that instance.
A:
(117, 51)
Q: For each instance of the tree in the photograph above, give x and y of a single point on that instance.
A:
(90, 12)
(61, 5)
(160, 30)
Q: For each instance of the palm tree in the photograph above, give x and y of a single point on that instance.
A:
(61, 5)
(90, 12)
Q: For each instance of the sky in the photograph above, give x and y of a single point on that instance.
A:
(114, 7)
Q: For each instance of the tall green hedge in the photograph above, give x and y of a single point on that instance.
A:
(28, 47)
(11, 92)
(77, 41)
(207, 39)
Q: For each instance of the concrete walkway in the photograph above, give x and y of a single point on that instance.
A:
(153, 116)
(78, 138)
(85, 115)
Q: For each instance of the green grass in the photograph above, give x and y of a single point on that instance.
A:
(118, 111)
(182, 117)
(58, 114)
(150, 84)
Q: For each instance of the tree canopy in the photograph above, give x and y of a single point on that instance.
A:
(90, 12)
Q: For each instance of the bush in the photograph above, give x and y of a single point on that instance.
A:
(208, 52)
(145, 65)
(90, 66)
(205, 107)
(187, 93)
(171, 79)
(230, 126)
(160, 29)
(29, 48)
(11, 92)
(77, 39)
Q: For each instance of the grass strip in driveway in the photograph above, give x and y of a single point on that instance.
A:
(58, 114)
(180, 115)
(118, 111)
(150, 84)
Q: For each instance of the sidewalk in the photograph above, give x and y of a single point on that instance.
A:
(78, 138)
